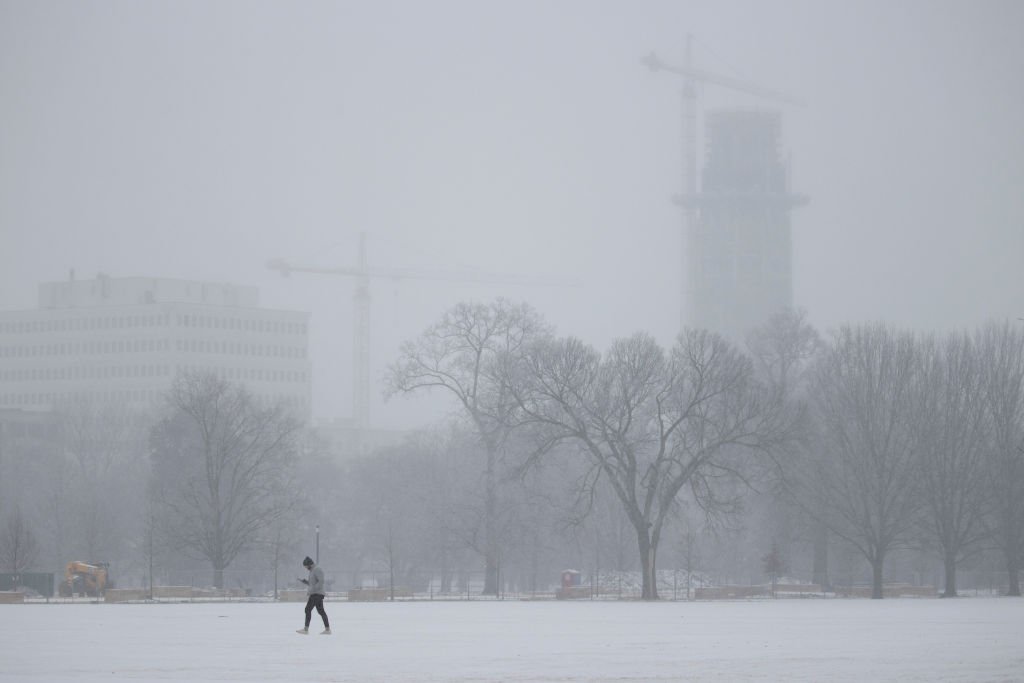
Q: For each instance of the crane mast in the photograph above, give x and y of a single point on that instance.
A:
(361, 343)
(362, 273)
(689, 152)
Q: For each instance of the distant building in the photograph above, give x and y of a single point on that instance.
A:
(125, 339)
(739, 245)
(346, 439)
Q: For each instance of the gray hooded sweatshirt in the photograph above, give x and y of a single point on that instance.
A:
(316, 581)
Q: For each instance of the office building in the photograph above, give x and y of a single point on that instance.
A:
(125, 339)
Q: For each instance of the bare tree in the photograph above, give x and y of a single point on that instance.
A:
(223, 461)
(322, 489)
(18, 547)
(535, 521)
(861, 475)
(278, 540)
(784, 350)
(385, 510)
(773, 564)
(31, 479)
(149, 541)
(103, 445)
(1002, 352)
(460, 355)
(951, 432)
(449, 498)
(650, 423)
(689, 551)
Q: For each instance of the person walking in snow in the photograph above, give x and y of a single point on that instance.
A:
(315, 591)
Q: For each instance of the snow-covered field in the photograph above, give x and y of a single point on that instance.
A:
(787, 640)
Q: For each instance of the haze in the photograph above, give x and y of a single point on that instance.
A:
(198, 140)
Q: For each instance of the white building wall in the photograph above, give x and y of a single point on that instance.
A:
(114, 347)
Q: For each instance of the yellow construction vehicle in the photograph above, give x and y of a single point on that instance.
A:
(84, 578)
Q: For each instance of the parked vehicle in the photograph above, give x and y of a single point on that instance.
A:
(85, 578)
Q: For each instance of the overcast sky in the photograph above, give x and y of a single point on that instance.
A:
(198, 139)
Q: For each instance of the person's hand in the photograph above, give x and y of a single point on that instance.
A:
(305, 581)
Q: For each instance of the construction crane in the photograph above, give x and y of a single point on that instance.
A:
(691, 76)
(361, 310)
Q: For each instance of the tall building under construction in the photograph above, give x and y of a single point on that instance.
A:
(738, 248)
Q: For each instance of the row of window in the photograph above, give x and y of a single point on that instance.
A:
(83, 324)
(93, 372)
(213, 322)
(239, 348)
(49, 399)
(95, 347)
(123, 322)
(84, 348)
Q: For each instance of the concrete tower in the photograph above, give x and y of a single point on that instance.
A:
(738, 249)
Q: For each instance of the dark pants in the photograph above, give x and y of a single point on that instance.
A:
(316, 600)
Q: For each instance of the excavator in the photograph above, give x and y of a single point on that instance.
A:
(84, 578)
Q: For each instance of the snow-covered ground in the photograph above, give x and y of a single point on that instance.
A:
(973, 639)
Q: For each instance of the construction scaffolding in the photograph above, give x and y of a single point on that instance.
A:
(736, 243)
(739, 256)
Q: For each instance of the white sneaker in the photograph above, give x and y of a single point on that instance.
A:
(325, 632)
(303, 631)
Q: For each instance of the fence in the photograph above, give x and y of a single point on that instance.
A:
(37, 583)
(374, 585)
(360, 584)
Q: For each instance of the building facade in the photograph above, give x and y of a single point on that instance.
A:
(739, 244)
(125, 339)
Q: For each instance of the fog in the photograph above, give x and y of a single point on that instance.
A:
(198, 140)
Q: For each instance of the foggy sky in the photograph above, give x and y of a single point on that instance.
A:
(198, 139)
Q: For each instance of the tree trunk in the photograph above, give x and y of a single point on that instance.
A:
(1013, 569)
(491, 576)
(446, 573)
(876, 579)
(218, 578)
(648, 553)
(150, 558)
(820, 569)
(391, 563)
(950, 567)
(490, 542)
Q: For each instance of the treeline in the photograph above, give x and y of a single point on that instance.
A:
(724, 460)
(916, 441)
(881, 438)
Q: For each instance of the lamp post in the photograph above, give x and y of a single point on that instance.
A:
(318, 544)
